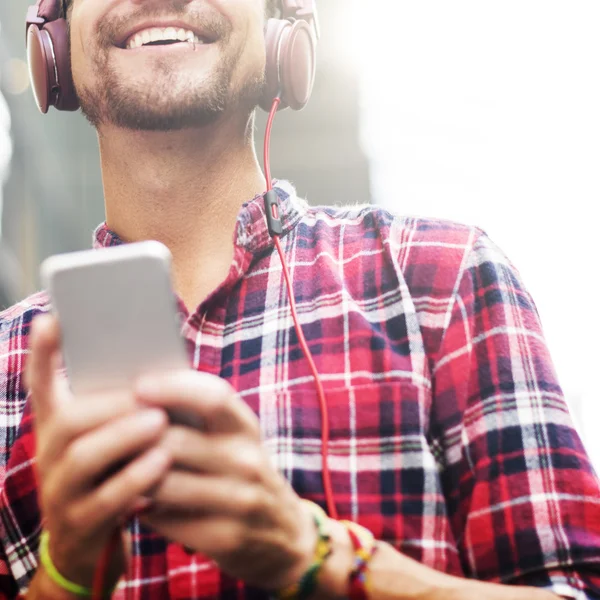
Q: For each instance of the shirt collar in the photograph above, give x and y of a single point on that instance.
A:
(251, 232)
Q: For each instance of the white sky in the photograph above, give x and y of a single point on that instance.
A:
(489, 113)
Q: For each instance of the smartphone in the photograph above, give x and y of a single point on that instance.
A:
(118, 315)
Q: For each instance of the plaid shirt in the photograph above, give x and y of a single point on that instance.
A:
(450, 436)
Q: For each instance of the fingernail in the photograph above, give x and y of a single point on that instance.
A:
(152, 419)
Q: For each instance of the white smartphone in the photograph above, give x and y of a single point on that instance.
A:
(118, 314)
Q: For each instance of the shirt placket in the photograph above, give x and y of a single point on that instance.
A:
(192, 575)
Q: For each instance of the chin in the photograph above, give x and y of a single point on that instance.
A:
(173, 102)
(166, 116)
(161, 97)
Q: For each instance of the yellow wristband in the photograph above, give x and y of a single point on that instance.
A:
(53, 573)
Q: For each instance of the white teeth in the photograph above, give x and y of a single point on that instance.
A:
(171, 33)
(136, 41)
(157, 34)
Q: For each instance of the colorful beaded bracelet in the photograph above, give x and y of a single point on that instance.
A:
(303, 589)
(365, 546)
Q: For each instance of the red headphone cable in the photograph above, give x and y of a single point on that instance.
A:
(275, 229)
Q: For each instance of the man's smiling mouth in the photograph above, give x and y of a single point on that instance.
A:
(162, 36)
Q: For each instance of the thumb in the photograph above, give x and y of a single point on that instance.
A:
(40, 377)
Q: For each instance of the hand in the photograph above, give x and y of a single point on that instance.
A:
(80, 444)
(222, 497)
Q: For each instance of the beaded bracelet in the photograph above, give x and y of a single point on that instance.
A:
(364, 545)
(307, 585)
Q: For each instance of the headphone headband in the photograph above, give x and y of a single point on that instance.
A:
(42, 12)
(302, 10)
(290, 67)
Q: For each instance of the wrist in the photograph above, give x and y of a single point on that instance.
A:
(325, 559)
(56, 572)
(334, 579)
(76, 579)
(464, 589)
(302, 552)
(418, 582)
(42, 586)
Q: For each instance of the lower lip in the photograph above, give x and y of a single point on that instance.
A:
(168, 48)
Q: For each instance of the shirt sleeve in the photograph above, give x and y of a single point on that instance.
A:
(522, 495)
(8, 587)
(13, 402)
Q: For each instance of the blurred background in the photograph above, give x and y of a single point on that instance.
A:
(480, 112)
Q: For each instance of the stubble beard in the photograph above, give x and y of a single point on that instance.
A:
(164, 105)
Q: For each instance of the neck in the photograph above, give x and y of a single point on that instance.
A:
(184, 189)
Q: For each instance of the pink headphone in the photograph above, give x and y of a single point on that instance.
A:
(290, 42)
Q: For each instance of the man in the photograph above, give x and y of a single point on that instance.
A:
(449, 438)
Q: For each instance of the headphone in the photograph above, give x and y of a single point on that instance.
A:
(291, 43)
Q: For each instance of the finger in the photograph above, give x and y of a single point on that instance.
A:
(116, 499)
(205, 396)
(211, 536)
(80, 417)
(223, 496)
(253, 556)
(92, 456)
(44, 342)
(230, 455)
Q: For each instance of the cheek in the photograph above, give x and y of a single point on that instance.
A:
(77, 47)
(253, 55)
(84, 53)
(247, 19)
(77, 60)
(88, 62)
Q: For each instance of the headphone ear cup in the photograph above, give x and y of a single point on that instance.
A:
(64, 96)
(276, 29)
(41, 66)
(291, 63)
(297, 66)
(50, 66)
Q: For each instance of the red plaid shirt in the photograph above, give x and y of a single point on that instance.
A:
(450, 436)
